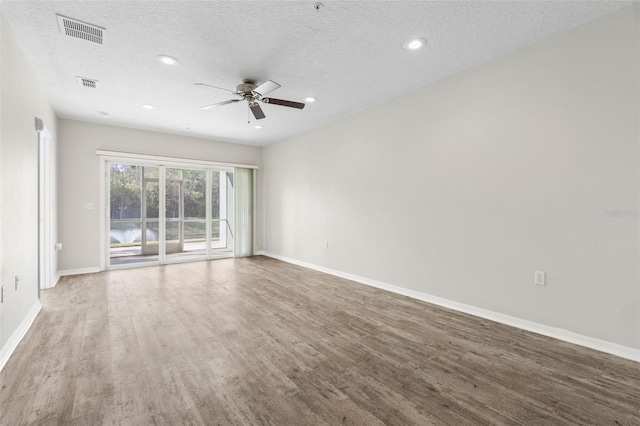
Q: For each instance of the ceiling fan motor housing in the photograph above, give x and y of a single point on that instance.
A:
(246, 87)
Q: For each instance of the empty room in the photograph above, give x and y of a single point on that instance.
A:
(319, 212)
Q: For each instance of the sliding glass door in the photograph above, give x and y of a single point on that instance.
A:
(166, 214)
(186, 213)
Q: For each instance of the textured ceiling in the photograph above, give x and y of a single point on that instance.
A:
(349, 55)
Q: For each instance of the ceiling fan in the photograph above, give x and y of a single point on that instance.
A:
(250, 92)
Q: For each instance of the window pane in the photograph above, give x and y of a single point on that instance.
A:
(135, 210)
(151, 172)
(125, 225)
(174, 174)
(186, 211)
(215, 230)
(194, 185)
(153, 232)
(173, 200)
(173, 232)
(125, 192)
(152, 196)
(215, 195)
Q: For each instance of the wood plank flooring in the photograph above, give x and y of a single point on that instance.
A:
(256, 341)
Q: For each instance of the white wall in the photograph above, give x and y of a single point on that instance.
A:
(79, 177)
(463, 188)
(22, 99)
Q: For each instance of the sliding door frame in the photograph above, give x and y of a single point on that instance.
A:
(162, 163)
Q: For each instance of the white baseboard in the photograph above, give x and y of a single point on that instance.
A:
(545, 330)
(55, 280)
(78, 271)
(16, 337)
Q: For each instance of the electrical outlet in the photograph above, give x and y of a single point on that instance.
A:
(540, 278)
(89, 206)
(58, 246)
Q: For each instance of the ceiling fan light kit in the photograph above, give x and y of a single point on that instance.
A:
(250, 92)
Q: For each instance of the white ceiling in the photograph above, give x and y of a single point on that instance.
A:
(349, 55)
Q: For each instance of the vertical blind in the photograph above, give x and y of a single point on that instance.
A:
(243, 212)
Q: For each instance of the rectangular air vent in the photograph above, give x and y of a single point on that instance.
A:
(87, 82)
(79, 29)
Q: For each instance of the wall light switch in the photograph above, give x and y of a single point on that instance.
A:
(540, 278)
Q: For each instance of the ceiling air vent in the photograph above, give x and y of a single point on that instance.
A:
(79, 29)
(87, 82)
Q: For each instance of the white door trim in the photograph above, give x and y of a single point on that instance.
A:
(45, 209)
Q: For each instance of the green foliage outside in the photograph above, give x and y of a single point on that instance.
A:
(126, 194)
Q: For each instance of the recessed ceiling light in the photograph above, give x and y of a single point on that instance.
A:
(102, 113)
(258, 127)
(147, 106)
(167, 60)
(310, 99)
(415, 44)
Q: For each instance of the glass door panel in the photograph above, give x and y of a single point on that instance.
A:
(191, 228)
(125, 224)
(215, 210)
(195, 211)
(150, 215)
(174, 204)
(186, 213)
(133, 236)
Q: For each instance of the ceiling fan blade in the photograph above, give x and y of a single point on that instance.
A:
(257, 111)
(282, 102)
(220, 104)
(215, 87)
(266, 87)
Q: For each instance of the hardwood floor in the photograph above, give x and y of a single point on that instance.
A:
(256, 341)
